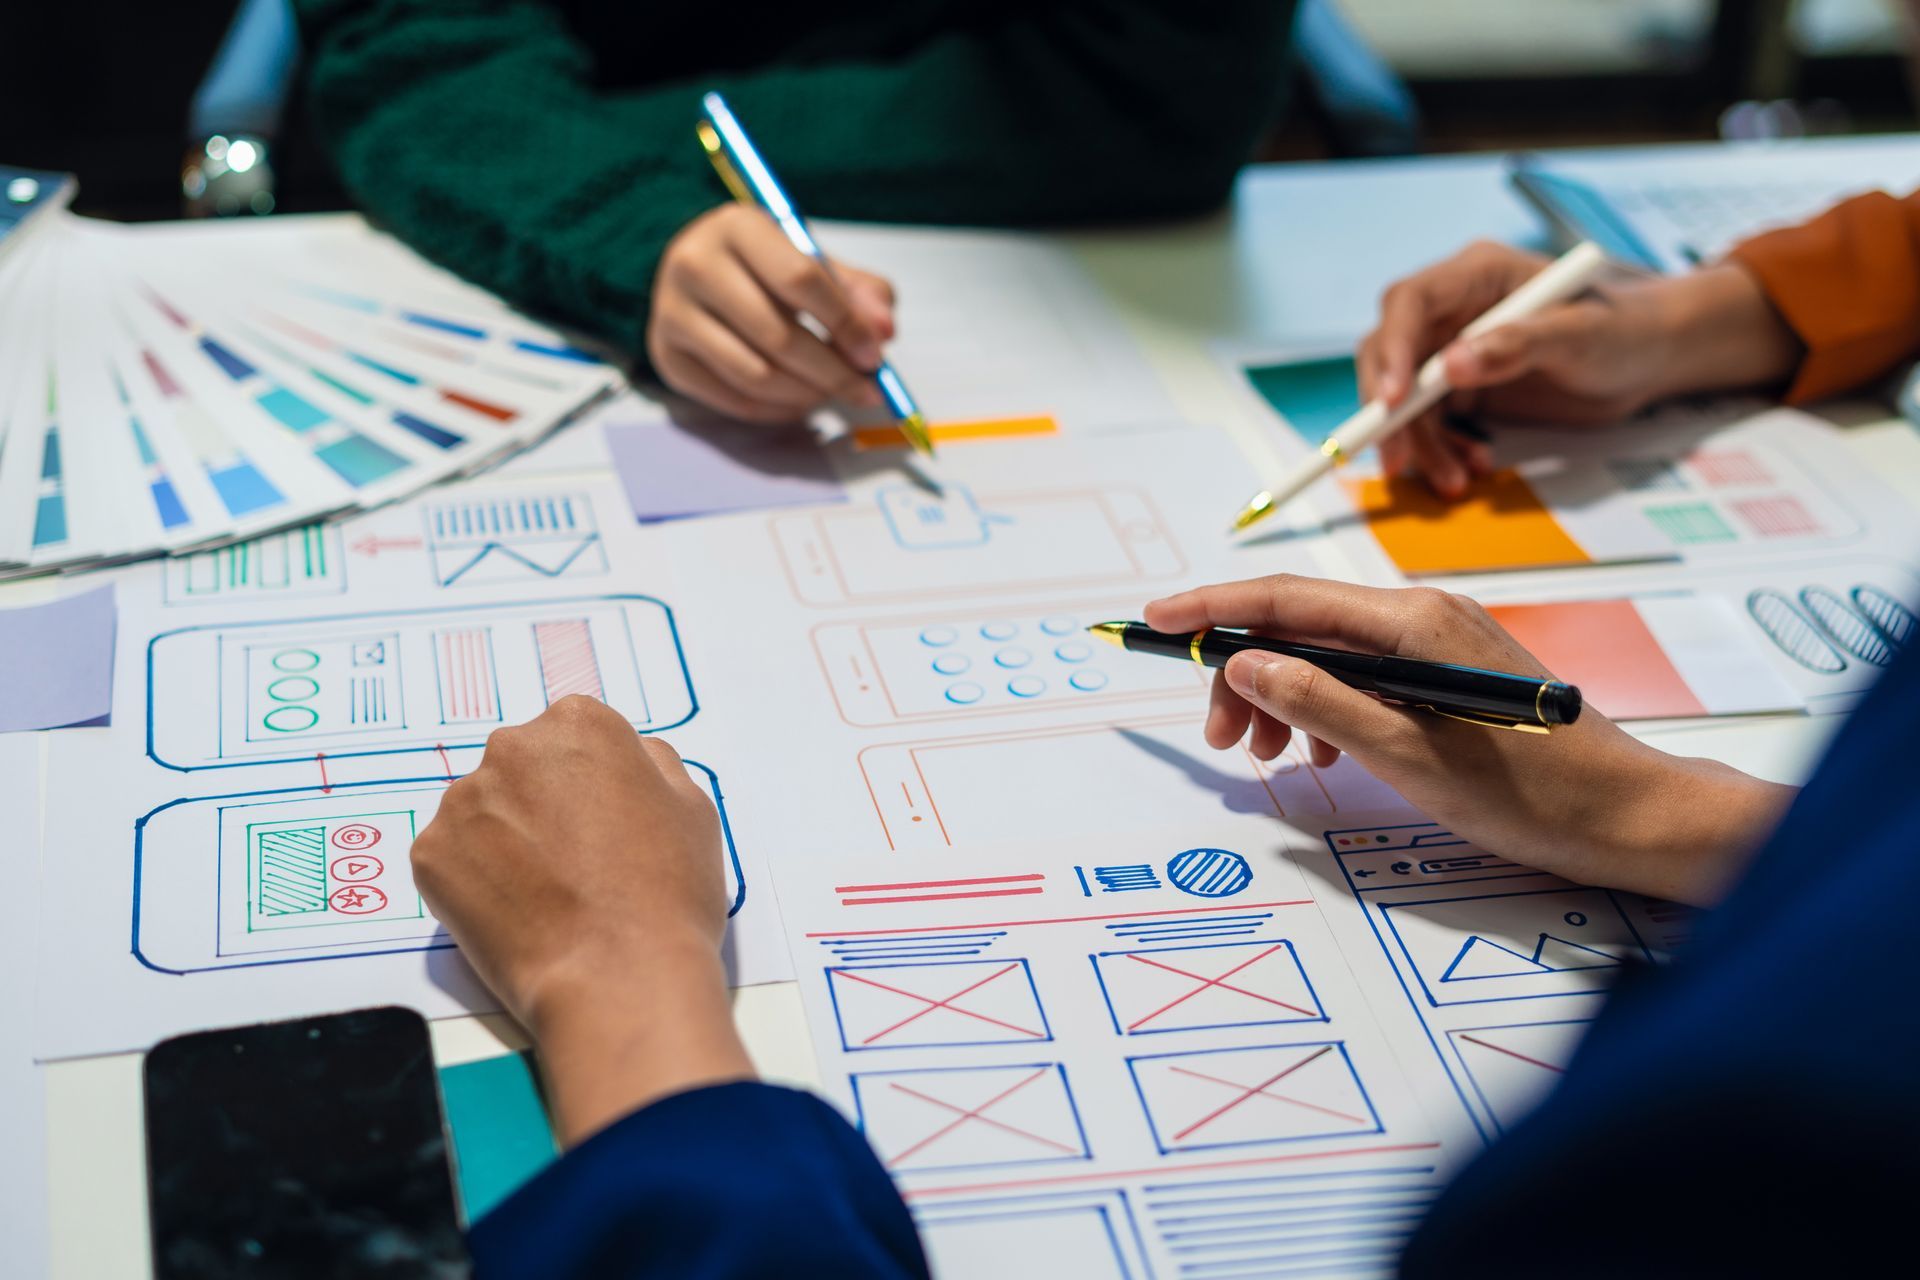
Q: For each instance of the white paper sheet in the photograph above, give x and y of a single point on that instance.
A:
(287, 714)
(23, 1139)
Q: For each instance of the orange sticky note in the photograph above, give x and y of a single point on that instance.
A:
(1606, 648)
(1501, 524)
(888, 436)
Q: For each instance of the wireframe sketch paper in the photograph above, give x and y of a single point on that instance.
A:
(291, 710)
(673, 469)
(56, 662)
(1240, 1044)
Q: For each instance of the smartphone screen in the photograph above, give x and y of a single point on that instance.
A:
(314, 1147)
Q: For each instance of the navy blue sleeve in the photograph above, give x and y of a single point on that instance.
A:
(733, 1180)
(1749, 1110)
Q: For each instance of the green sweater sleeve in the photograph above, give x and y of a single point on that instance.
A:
(476, 131)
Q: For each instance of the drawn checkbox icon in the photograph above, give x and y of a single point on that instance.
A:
(968, 1117)
(961, 1002)
(1224, 984)
(1249, 1096)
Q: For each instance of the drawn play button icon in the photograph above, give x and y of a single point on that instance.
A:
(356, 867)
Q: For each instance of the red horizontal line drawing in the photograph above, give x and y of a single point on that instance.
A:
(1161, 1171)
(935, 897)
(974, 1114)
(935, 884)
(932, 1004)
(1559, 1071)
(999, 924)
(1220, 982)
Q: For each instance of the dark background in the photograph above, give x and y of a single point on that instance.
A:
(102, 88)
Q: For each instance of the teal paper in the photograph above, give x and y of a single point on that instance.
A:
(1314, 396)
(501, 1137)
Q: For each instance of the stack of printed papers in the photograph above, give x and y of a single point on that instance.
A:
(182, 385)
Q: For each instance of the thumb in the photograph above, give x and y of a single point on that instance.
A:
(1302, 695)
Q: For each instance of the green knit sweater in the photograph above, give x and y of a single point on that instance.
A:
(546, 150)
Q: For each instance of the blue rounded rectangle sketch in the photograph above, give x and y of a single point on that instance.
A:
(415, 680)
(300, 874)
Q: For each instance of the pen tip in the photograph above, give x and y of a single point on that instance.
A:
(1112, 632)
(1257, 509)
(914, 428)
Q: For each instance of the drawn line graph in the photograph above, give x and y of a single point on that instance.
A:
(497, 551)
(505, 539)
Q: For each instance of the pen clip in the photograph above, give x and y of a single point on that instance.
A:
(722, 164)
(1486, 722)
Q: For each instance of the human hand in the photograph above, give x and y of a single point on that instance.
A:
(724, 325)
(1595, 359)
(1587, 801)
(579, 868)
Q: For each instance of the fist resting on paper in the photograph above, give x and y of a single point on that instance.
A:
(580, 869)
(725, 329)
(1592, 361)
(1587, 801)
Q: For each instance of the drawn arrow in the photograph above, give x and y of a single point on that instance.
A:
(320, 758)
(371, 545)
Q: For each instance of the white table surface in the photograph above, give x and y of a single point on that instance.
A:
(1300, 258)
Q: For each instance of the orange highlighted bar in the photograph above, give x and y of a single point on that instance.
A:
(890, 437)
(1501, 524)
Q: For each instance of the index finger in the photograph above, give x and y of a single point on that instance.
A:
(1421, 313)
(805, 284)
(1315, 610)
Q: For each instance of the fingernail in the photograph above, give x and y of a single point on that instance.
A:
(1243, 671)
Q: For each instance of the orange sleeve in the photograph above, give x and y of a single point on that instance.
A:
(1848, 283)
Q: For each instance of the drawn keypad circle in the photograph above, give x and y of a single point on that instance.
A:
(1012, 658)
(939, 636)
(291, 719)
(293, 688)
(1074, 651)
(952, 664)
(998, 631)
(1088, 680)
(1059, 626)
(965, 693)
(1026, 686)
(296, 660)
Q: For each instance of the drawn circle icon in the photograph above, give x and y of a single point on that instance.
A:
(1012, 658)
(952, 664)
(291, 719)
(1026, 686)
(1073, 651)
(999, 631)
(296, 660)
(356, 835)
(1209, 873)
(293, 688)
(938, 636)
(965, 692)
(1089, 680)
(355, 867)
(1575, 918)
(357, 899)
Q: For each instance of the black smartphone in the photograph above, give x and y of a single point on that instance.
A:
(309, 1148)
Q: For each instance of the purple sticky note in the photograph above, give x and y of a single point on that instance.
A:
(56, 662)
(674, 469)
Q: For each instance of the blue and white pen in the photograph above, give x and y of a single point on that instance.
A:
(740, 166)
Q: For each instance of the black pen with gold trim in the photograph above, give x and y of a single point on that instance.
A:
(1496, 699)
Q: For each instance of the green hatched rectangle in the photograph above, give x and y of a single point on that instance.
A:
(293, 871)
(1689, 523)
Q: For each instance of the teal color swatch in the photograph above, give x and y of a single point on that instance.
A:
(1314, 396)
(501, 1137)
(358, 460)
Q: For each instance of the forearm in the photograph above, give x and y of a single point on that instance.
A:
(611, 1043)
(1689, 826)
(1718, 332)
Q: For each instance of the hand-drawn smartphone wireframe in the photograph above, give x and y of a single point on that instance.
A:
(974, 663)
(301, 875)
(413, 680)
(911, 545)
(939, 793)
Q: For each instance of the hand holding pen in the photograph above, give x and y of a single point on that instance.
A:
(1587, 801)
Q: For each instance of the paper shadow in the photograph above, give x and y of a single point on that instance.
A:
(1237, 792)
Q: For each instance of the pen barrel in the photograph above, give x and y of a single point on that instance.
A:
(1442, 686)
